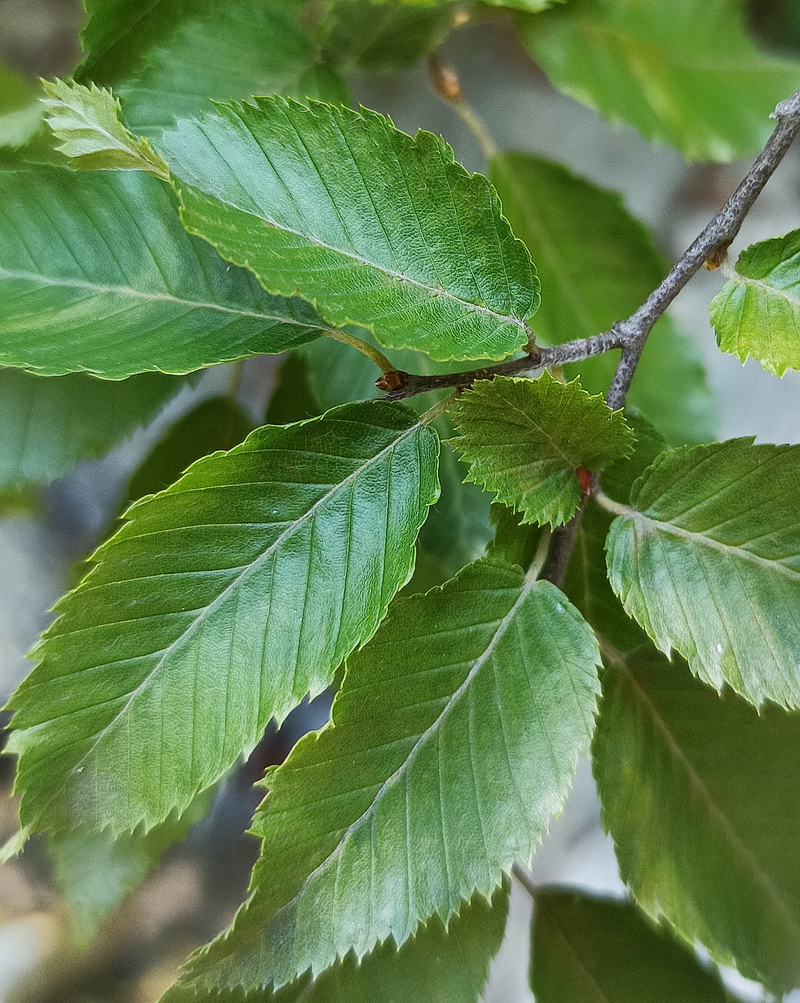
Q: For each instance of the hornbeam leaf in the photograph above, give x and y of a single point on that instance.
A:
(97, 274)
(20, 109)
(217, 606)
(700, 793)
(604, 951)
(524, 439)
(707, 560)
(684, 74)
(47, 424)
(87, 122)
(441, 964)
(597, 263)
(453, 742)
(757, 312)
(374, 227)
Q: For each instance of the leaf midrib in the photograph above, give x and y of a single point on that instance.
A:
(225, 592)
(714, 809)
(769, 291)
(147, 296)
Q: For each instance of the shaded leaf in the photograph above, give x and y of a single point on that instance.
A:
(47, 424)
(20, 109)
(97, 274)
(439, 964)
(604, 951)
(597, 264)
(86, 121)
(374, 227)
(220, 604)
(685, 74)
(757, 312)
(525, 438)
(453, 741)
(708, 562)
(712, 842)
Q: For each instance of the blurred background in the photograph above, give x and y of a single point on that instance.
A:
(196, 887)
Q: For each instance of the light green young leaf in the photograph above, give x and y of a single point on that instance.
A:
(686, 74)
(223, 51)
(707, 560)
(96, 870)
(20, 110)
(374, 227)
(604, 950)
(757, 312)
(711, 844)
(441, 964)
(48, 424)
(597, 264)
(86, 120)
(84, 257)
(453, 742)
(525, 438)
(219, 604)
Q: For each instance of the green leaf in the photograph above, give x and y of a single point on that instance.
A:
(20, 110)
(96, 870)
(87, 122)
(218, 423)
(374, 227)
(525, 438)
(757, 312)
(441, 964)
(223, 51)
(604, 951)
(711, 842)
(386, 34)
(708, 562)
(597, 264)
(453, 742)
(85, 255)
(686, 75)
(48, 424)
(218, 605)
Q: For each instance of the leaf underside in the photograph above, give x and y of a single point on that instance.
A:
(220, 603)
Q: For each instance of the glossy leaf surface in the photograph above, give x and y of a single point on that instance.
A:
(220, 604)
(524, 439)
(453, 741)
(686, 74)
(757, 312)
(374, 227)
(48, 424)
(711, 843)
(97, 274)
(708, 562)
(605, 951)
(86, 122)
(597, 263)
(438, 965)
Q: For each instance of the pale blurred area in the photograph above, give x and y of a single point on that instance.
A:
(196, 888)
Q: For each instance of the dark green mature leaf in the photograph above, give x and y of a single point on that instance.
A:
(20, 110)
(708, 562)
(440, 964)
(525, 438)
(700, 794)
(597, 264)
(757, 312)
(86, 121)
(97, 274)
(218, 605)
(604, 951)
(453, 741)
(374, 227)
(685, 74)
(96, 870)
(48, 424)
(223, 51)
